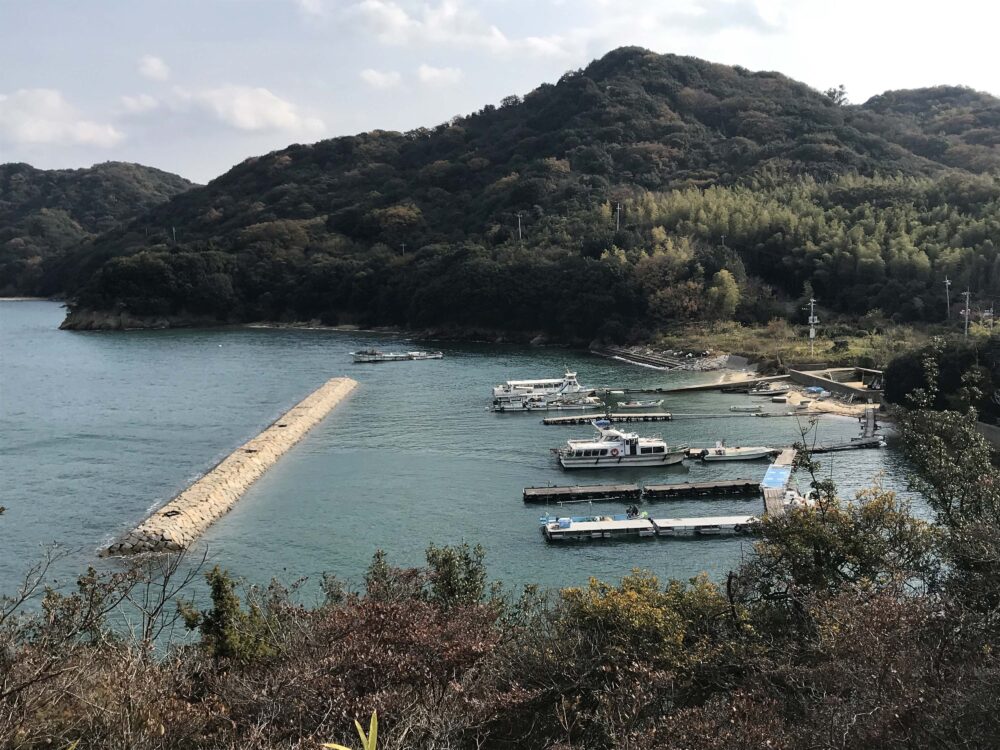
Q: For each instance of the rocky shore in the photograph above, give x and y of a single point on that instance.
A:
(182, 520)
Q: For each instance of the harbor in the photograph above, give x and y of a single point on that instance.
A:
(412, 451)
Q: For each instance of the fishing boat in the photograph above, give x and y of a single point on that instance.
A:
(747, 408)
(566, 385)
(613, 449)
(769, 389)
(640, 404)
(374, 355)
(723, 452)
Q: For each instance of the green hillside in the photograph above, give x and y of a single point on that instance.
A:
(736, 189)
(45, 212)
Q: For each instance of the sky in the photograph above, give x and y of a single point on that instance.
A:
(197, 86)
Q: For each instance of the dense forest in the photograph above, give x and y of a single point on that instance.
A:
(641, 190)
(44, 213)
(850, 625)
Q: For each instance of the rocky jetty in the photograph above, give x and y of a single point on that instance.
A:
(182, 520)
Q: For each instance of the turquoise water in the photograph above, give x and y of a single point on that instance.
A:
(96, 429)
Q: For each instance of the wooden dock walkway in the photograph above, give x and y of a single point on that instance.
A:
(725, 487)
(660, 416)
(776, 480)
(722, 487)
(582, 492)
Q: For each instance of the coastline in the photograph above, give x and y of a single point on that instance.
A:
(89, 320)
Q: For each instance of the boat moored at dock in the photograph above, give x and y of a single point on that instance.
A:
(769, 389)
(723, 452)
(640, 404)
(564, 386)
(614, 449)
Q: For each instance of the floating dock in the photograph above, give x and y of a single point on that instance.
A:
(723, 487)
(851, 445)
(621, 527)
(582, 493)
(659, 416)
(180, 522)
(776, 480)
(723, 385)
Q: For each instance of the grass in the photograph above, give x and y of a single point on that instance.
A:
(779, 341)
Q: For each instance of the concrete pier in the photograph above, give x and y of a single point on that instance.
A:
(182, 520)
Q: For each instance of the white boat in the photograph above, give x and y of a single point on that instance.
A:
(374, 355)
(748, 408)
(767, 389)
(613, 449)
(640, 404)
(567, 384)
(723, 452)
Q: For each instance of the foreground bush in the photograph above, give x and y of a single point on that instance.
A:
(853, 625)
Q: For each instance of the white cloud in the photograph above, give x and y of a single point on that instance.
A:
(254, 108)
(153, 68)
(139, 104)
(43, 116)
(452, 23)
(438, 76)
(380, 80)
(312, 7)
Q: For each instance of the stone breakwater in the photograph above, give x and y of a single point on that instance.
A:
(181, 521)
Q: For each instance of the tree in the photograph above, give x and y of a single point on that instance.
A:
(723, 295)
(837, 94)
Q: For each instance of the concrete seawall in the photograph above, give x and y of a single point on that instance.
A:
(181, 521)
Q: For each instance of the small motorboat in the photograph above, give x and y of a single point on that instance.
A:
(723, 452)
(640, 404)
(747, 408)
(768, 389)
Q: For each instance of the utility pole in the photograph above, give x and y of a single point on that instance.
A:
(947, 298)
(723, 240)
(404, 248)
(173, 230)
(618, 216)
(966, 311)
(519, 226)
(813, 320)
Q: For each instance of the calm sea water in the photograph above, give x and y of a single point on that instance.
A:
(96, 429)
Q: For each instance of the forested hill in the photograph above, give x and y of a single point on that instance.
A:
(736, 189)
(44, 212)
